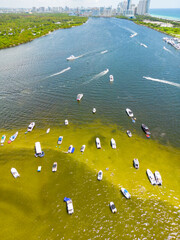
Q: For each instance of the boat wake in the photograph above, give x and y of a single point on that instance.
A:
(103, 52)
(97, 76)
(167, 49)
(55, 74)
(162, 81)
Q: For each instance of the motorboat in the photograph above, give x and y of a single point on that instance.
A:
(3, 139)
(83, 148)
(71, 58)
(158, 178)
(94, 110)
(129, 112)
(113, 143)
(38, 150)
(70, 208)
(60, 139)
(151, 177)
(125, 193)
(129, 133)
(133, 35)
(15, 173)
(98, 143)
(136, 163)
(112, 207)
(54, 167)
(111, 78)
(142, 44)
(100, 175)
(66, 122)
(106, 71)
(104, 51)
(31, 126)
(48, 130)
(79, 96)
(39, 169)
(13, 137)
(70, 149)
(146, 130)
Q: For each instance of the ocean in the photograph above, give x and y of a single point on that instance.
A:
(166, 13)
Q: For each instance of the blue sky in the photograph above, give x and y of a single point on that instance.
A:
(84, 3)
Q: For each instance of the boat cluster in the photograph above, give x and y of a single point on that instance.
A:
(175, 42)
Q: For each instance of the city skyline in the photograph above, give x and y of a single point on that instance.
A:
(83, 3)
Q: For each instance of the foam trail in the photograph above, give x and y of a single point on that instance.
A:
(162, 81)
(167, 49)
(97, 76)
(55, 74)
(103, 52)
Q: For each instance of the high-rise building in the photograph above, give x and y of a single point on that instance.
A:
(128, 4)
(143, 7)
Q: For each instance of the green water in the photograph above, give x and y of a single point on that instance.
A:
(32, 206)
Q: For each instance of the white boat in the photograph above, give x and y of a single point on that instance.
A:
(112, 207)
(158, 178)
(136, 163)
(48, 130)
(70, 208)
(94, 110)
(79, 96)
(100, 175)
(129, 112)
(31, 126)
(129, 133)
(60, 139)
(113, 143)
(66, 122)
(98, 143)
(106, 71)
(71, 58)
(3, 139)
(54, 167)
(151, 177)
(70, 149)
(83, 148)
(39, 169)
(142, 44)
(111, 78)
(104, 51)
(133, 35)
(125, 193)
(15, 173)
(13, 137)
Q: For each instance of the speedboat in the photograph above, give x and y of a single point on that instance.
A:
(98, 143)
(129, 133)
(60, 139)
(39, 169)
(31, 126)
(79, 96)
(15, 173)
(3, 139)
(125, 193)
(111, 78)
(66, 122)
(48, 130)
(151, 177)
(100, 175)
(13, 137)
(146, 130)
(94, 110)
(83, 148)
(113, 143)
(136, 163)
(158, 178)
(70, 149)
(133, 35)
(54, 167)
(71, 58)
(107, 70)
(129, 112)
(69, 205)
(142, 44)
(112, 207)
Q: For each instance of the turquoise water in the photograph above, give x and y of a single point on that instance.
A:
(166, 13)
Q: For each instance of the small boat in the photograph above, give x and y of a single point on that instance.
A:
(113, 143)
(54, 167)
(158, 178)
(129, 112)
(15, 173)
(13, 137)
(70, 149)
(83, 148)
(142, 44)
(3, 139)
(48, 130)
(31, 126)
(111, 78)
(112, 207)
(106, 71)
(69, 205)
(136, 163)
(71, 58)
(133, 35)
(79, 96)
(66, 122)
(146, 130)
(39, 169)
(125, 193)
(104, 51)
(100, 175)
(129, 133)
(98, 143)
(94, 110)
(60, 139)
(151, 177)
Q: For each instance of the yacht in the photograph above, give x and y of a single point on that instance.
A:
(100, 175)
(66, 122)
(31, 126)
(70, 208)
(125, 193)
(129, 112)
(15, 173)
(71, 58)
(79, 96)
(158, 178)
(151, 177)
(83, 148)
(94, 110)
(13, 137)
(112, 207)
(136, 163)
(113, 143)
(129, 133)
(3, 139)
(146, 130)
(98, 143)
(54, 167)
(111, 78)
(60, 139)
